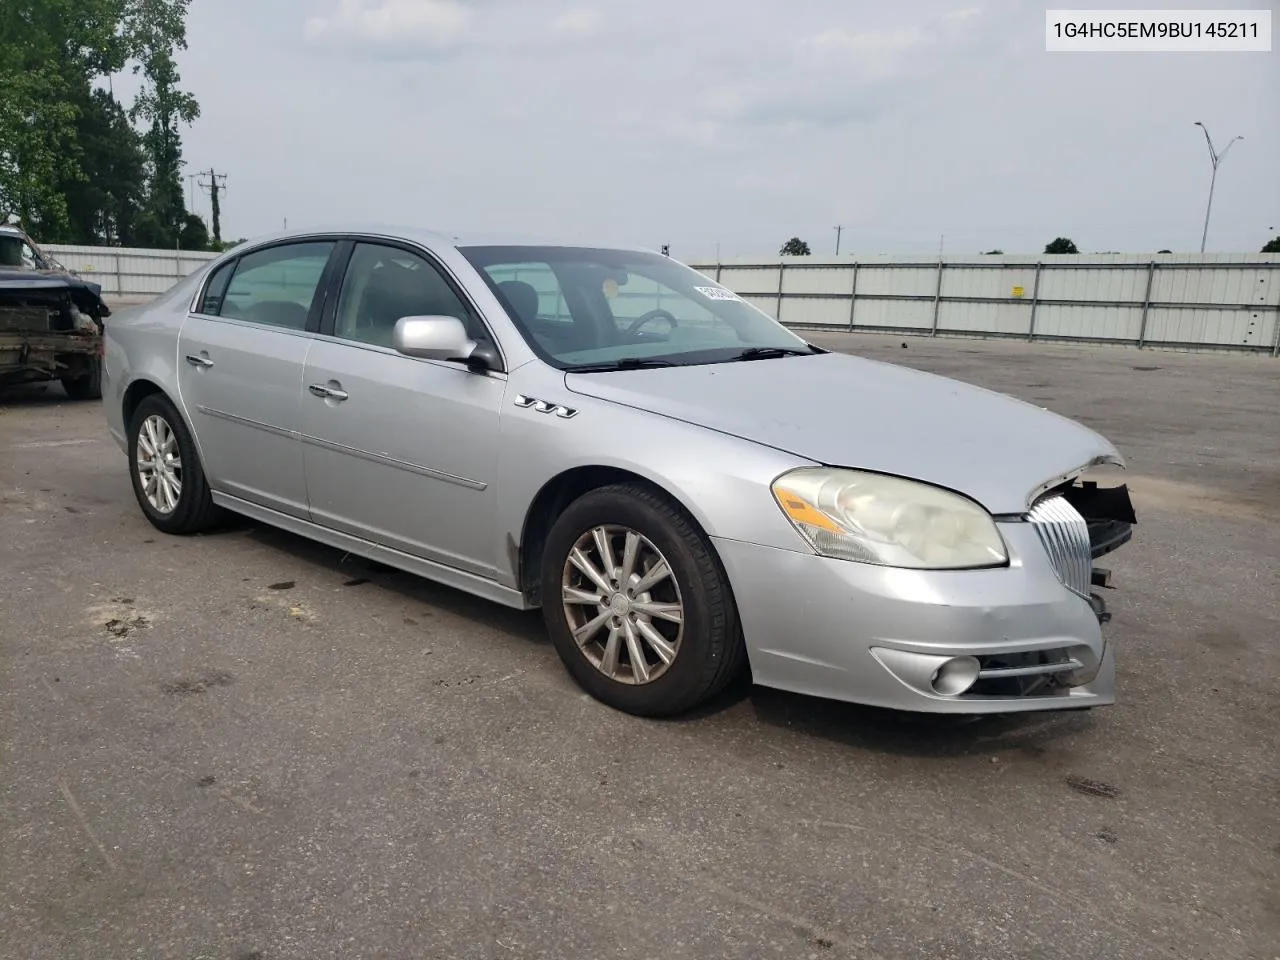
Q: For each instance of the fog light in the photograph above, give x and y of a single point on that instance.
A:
(956, 676)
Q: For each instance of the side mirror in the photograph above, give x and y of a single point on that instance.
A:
(433, 338)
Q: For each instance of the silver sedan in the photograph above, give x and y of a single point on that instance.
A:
(685, 488)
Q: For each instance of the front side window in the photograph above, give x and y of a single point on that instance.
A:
(587, 307)
(383, 284)
(31, 259)
(16, 252)
(275, 286)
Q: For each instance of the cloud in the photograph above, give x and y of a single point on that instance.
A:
(835, 76)
(430, 23)
(578, 22)
(880, 46)
(434, 30)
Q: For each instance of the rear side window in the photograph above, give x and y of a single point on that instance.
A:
(276, 286)
(211, 303)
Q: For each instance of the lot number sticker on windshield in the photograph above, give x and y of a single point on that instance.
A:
(717, 293)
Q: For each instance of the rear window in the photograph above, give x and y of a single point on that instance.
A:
(276, 286)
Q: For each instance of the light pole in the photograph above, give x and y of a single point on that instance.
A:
(1216, 158)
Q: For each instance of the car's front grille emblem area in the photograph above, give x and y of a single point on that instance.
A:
(1065, 536)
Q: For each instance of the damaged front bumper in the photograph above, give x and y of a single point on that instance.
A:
(1023, 637)
(50, 327)
(1109, 514)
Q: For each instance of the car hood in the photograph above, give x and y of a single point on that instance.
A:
(848, 411)
(55, 285)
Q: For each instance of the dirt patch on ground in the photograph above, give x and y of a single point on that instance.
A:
(23, 501)
(191, 686)
(120, 619)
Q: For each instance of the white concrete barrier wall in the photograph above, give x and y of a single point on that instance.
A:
(129, 271)
(1218, 301)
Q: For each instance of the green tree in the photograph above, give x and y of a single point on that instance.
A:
(795, 247)
(71, 165)
(156, 28)
(194, 234)
(1061, 245)
(1272, 245)
(104, 204)
(49, 52)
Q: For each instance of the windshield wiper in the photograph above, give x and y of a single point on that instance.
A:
(626, 363)
(768, 353)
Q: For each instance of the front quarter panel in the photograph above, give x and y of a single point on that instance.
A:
(722, 481)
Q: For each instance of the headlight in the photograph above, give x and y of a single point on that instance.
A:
(873, 518)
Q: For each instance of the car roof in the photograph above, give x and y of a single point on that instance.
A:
(438, 238)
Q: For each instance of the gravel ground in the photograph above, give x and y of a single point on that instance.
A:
(244, 745)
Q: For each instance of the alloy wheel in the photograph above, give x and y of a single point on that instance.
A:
(159, 463)
(623, 604)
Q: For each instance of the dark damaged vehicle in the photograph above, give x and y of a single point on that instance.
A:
(51, 320)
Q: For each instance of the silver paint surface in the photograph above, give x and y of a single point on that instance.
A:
(433, 468)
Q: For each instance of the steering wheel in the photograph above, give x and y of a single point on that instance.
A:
(657, 314)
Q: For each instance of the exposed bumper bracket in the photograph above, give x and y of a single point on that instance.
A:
(1099, 608)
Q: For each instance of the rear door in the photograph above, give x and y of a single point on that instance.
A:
(241, 358)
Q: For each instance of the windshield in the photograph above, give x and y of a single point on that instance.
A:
(594, 308)
(17, 253)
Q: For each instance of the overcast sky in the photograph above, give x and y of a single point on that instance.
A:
(737, 122)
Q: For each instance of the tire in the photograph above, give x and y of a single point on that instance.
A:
(87, 386)
(194, 510)
(707, 643)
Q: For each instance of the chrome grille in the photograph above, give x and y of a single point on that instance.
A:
(1065, 536)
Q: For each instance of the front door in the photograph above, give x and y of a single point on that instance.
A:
(241, 360)
(399, 450)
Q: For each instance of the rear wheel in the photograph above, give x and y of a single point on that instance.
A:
(168, 480)
(637, 604)
(88, 385)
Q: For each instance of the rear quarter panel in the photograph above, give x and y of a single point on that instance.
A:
(141, 343)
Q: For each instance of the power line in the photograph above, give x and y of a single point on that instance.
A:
(216, 184)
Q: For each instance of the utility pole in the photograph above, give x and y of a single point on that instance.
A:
(838, 230)
(1215, 158)
(217, 183)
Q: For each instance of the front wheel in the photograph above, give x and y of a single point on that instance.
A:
(637, 604)
(168, 480)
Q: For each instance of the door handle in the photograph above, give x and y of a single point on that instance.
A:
(198, 361)
(327, 393)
